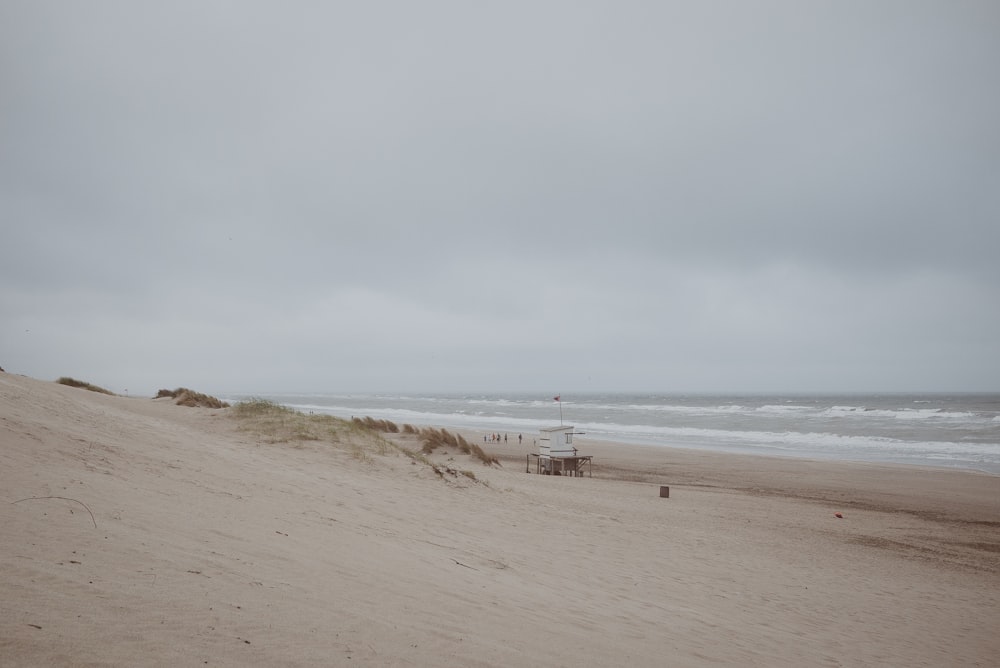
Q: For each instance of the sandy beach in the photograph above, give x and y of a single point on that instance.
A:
(137, 532)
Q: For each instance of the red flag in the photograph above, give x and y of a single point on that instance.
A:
(556, 398)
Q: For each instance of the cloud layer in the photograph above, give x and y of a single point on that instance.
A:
(450, 196)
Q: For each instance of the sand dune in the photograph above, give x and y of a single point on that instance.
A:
(138, 532)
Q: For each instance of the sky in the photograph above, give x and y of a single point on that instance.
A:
(551, 196)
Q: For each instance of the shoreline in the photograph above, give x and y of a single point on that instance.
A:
(889, 487)
(722, 451)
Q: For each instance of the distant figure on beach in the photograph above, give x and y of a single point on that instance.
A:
(519, 439)
(505, 438)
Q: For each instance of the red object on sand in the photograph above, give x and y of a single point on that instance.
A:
(838, 515)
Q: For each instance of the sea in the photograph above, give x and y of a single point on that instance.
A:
(959, 431)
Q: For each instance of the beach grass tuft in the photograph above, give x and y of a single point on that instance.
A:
(73, 382)
(384, 426)
(362, 438)
(185, 397)
(432, 439)
(274, 423)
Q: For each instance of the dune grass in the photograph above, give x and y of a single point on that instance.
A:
(274, 423)
(362, 437)
(73, 382)
(185, 397)
(433, 439)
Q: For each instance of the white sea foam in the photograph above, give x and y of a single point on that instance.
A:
(674, 408)
(784, 409)
(770, 438)
(898, 414)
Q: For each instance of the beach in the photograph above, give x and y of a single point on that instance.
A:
(137, 532)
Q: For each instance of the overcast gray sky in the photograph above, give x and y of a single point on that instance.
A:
(553, 196)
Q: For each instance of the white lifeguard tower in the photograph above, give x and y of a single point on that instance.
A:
(556, 454)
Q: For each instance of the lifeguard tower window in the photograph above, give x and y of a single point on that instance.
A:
(569, 438)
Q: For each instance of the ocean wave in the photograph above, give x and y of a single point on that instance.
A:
(899, 413)
(784, 409)
(807, 443)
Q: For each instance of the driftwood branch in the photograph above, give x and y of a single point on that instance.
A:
(64, 498)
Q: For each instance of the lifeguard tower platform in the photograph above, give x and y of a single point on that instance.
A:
(556, 454)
